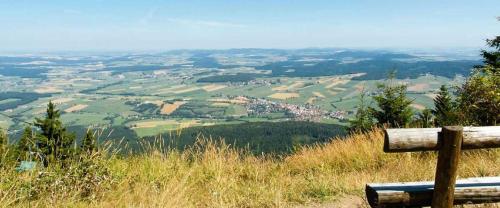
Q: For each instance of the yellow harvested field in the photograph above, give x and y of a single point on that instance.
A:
(75, 108)
(337, 81)
(417, 106)
(221, 104)
(153, 124)
(167, 109)
(284, 96)
(213, 87)
(318, 94)
(190, 89)
(280, 88)
(295, 85)
(48, 89)
(418, 87)
(62, 100)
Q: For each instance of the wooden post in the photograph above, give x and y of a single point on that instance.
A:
(446, 171)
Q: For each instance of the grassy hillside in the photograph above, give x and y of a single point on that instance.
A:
(215, 175)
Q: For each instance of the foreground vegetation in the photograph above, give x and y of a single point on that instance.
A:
(212, 174)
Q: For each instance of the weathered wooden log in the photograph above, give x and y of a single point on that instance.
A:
(447, 166)
(426, 139)
(467, 191)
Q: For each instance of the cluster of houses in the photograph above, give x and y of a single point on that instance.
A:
(307, 112)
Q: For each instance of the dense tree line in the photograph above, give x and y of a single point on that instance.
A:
(258, 137)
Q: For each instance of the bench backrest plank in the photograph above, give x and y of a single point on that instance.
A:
(426, 139)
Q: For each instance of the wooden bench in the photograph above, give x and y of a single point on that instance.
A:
(445, 191)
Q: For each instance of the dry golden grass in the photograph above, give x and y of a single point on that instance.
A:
(215, 175)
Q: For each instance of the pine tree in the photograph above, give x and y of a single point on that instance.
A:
(89, 143)
(54, 141)
(393, 105)
(363, 120)
(444, 108)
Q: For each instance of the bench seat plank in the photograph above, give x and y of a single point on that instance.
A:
(467, 191)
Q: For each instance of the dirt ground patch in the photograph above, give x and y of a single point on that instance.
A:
(75, 108)
(169, 108)
(284, 95)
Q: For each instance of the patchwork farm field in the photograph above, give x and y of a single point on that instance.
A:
(150, 95)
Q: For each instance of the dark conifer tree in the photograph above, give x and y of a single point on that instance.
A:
(393, 105)
(444, 108)
(54, 142)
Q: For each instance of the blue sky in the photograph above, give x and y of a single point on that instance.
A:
(218, 24)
